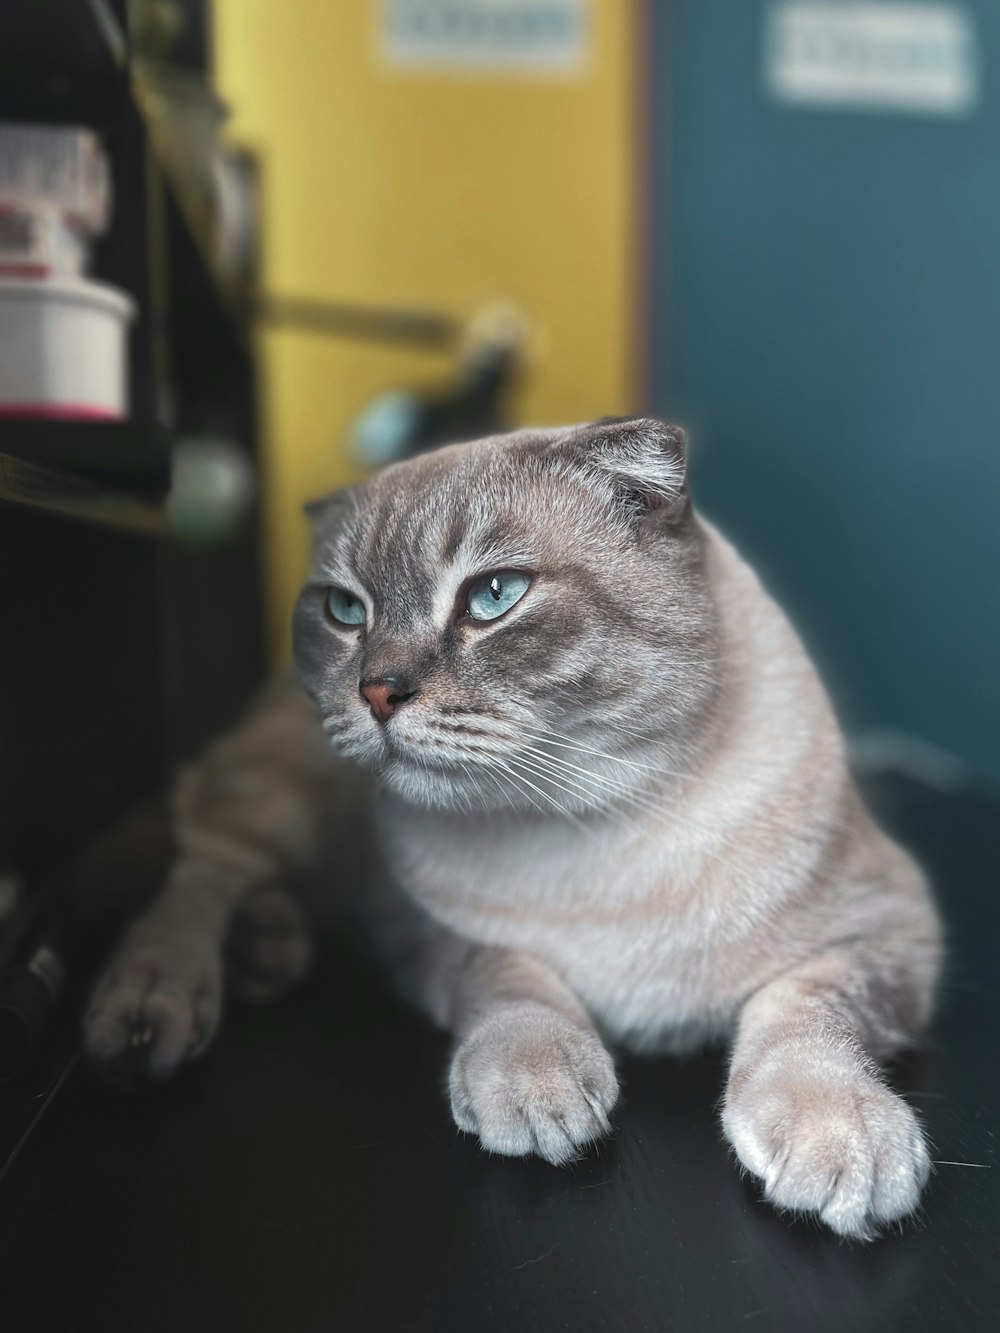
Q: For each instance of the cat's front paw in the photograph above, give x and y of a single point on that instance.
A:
(158, 1004)
(828, 1137)
(527, 1080)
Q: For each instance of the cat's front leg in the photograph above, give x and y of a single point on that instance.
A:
(528, 1074)
(248, 812)
(160, 1001)
(806, 1107)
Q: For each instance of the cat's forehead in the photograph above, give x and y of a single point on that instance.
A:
(482, 505)
(409, 537)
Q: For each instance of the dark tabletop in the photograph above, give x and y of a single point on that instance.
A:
(306, 1176)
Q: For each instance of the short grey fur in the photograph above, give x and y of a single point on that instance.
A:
(617, 816)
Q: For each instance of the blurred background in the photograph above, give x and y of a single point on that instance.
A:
(250, 251)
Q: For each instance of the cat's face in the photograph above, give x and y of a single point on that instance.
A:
(483, 623)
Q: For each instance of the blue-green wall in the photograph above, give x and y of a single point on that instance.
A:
(826, 299)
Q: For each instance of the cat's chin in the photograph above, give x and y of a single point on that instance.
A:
(468, 791)
(434, 788)
(407, 774)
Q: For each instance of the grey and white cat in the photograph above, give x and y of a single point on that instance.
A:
(613, 808)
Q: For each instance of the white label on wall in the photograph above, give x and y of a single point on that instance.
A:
(910, 57)
(528, 35)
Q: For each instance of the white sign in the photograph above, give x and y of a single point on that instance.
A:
(908, 57)
(503, 35)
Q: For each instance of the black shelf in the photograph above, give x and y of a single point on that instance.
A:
(127, 650)
(35, 486)
(69, 62)
(121, 455)
(62, 60)
(70, 38)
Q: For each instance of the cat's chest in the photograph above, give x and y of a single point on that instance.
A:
(528, 885)
(642, 927)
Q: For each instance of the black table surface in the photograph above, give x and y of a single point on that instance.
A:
(306, 1176)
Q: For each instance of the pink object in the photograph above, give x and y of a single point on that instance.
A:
(58, 412)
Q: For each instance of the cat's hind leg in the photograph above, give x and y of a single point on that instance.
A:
(269, 948)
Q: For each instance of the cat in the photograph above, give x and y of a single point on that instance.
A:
(613, 809)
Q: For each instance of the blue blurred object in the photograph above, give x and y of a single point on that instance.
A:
(383, 430)
(826, 309)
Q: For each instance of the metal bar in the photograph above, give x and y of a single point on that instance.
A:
(343, 320)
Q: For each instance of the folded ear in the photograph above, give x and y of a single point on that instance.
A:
(641, 458)
(325, 512)
(313, 508)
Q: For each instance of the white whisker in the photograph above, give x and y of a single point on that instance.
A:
(758, 820)
(518, 765)
(641, 803)
(591, 799)
(617, 790)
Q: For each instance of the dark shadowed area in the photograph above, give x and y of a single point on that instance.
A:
(307, 1176)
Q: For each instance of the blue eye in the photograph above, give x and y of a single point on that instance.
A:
(491, 596)
(344, 607)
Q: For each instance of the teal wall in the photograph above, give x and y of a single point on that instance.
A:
(826, 320)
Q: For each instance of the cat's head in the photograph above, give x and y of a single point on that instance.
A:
(483, 623)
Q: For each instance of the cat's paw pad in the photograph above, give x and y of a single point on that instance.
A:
(158, 1005)
(268, 950)
(835, 1142)
(527, 1080)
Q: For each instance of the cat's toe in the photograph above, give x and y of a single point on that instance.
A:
(527, 1080)
(850, 1151)
(152, 1011)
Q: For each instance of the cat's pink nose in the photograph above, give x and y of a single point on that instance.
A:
(384, 696)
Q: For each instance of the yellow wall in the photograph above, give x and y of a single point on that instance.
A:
(431, 191)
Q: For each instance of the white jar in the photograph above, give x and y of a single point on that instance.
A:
(63, 349)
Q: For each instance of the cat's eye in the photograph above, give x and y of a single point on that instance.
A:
(344, 607)
(494, 594)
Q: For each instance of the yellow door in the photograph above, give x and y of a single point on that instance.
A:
(434, 189)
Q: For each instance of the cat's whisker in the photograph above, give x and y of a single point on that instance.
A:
(652, 769)
(472, 778)
(666, 813)
(618, 792)
(504, 792)
(559, 780)
(647, 807)
(759, 820)
(518, 767)
(641, 802)
(605, 791)
(522, 782)
(568, 743)
(603, 781)
(614, 798)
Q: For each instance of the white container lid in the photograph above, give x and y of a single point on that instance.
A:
(80, 291)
